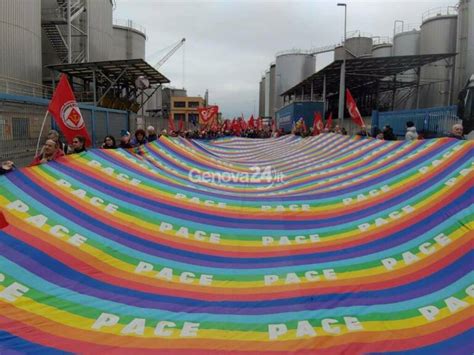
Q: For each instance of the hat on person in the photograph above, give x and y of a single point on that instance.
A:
(124, 133)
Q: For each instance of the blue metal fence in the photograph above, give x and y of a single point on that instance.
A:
(99, 121)
(431, 122)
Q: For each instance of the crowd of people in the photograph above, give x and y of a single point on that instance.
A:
(54, 148)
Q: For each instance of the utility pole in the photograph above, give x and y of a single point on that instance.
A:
(342, 81)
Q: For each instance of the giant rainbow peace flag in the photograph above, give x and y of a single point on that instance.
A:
(326, 244)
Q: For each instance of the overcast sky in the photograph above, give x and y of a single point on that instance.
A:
(230, 44)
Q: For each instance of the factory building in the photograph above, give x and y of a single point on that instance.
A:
(36, 36)
(448, 30)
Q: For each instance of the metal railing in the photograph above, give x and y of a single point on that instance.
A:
(401, 28)
(129, 24)
(311, 51)
(439, 11)
(379, 40)
(24, 88)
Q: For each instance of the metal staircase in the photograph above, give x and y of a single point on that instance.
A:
(57, 24)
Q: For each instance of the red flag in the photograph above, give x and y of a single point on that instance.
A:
(329, 122)
(171, 123)
(3, 221)
(353, 110)
(243, 124)
(260, 123)
(317, 123)
(63, 107)
(207, 115)
(251, 123)
(181, 125)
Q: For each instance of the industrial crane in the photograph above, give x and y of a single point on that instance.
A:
(170, 53)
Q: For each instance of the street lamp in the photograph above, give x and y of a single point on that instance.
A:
(342, 81)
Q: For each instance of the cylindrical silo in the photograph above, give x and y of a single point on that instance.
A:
(438, 35)
(272, 89)
(261, 98)
(267, 93)
(339, 53)
(129, 41)
(20, 40)
(358, 47)
(406, 43)
(382, 50)
(291, 69)
(465, 44)
(101, 37)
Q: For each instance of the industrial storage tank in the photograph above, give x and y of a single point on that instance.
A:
(268, 93)
(438, 35)
(465, 44)
(129, 40)
(382, 50)
(339, 53)
(357, 47)
(381, 47)
(272, 89)
(261, 98)
(101, 37)
(20, 40)
(406, 42)
(291, 69)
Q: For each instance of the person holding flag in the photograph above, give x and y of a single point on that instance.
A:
(65, 111)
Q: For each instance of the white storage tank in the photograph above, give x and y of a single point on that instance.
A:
(20, 40)
(358, 47)
(465, 44)
(272, 89)
(382, 50)
(261, 98)
(101, 37)
(268, 93)
(406, 42)
(438, 35)
(291, 69)
(339, 53)
(129, 40)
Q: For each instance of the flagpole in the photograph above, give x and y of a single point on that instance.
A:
(41, 132)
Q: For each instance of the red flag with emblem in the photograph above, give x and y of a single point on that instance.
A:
(329, 121)
(207, 116)
(317, 123)
(63, 107)
(353, 110)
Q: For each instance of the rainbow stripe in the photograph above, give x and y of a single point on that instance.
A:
(328, 244)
